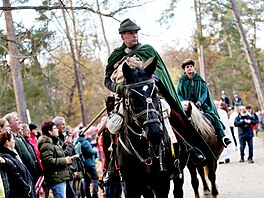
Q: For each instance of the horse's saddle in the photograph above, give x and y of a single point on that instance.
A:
(209, 117)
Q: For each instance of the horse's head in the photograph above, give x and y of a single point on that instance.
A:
(142, 102)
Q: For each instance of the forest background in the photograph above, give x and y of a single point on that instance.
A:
(63, 48)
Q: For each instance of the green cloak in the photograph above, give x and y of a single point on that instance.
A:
(200, 91)
(178, 120)
(196, 89)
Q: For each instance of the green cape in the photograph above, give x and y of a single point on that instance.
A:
(201, 92)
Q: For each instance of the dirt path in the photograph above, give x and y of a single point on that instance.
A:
(236, 180)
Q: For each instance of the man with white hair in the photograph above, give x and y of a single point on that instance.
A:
(244, 121)
(21, 145)
(60, 124)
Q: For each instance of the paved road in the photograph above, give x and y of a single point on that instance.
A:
(236, 180)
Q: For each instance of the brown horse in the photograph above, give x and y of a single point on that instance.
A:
(203, 124)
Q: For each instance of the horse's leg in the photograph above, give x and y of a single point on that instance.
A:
(205, 184)
(178, 186)
(212, 176)
(132, 190)
(162, 188)
(194, 180)
(148, 193)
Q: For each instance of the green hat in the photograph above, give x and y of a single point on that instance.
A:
(128, 25)
(187, 62)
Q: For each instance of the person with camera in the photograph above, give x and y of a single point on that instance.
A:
(245, 133)
(56, 166)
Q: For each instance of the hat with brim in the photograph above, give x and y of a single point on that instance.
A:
(128, 25)
(187, 62)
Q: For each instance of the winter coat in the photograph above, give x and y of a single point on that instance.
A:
(5, 183)
(33, 140)
(23, 152)
(19, 179)
(38, 170)
(69, 150)
(56, 169)
(87, 152)
(244, 129)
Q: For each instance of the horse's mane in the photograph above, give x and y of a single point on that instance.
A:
(201, 122)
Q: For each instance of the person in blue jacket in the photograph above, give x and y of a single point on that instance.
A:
(89, 155)
(245, 133)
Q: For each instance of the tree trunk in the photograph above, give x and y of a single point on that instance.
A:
(15, 65)
(252, 65)
(199, 37)
(76, 63)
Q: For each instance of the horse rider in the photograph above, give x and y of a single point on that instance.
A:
(192, 87)
(132, 48)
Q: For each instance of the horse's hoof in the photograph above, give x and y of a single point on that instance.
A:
(215, 192)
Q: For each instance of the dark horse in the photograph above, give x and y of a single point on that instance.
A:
(144, 148)
(206, 129)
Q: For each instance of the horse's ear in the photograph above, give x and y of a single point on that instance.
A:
(190, 105)
(150, 65)
(126, 71)
(189, 110)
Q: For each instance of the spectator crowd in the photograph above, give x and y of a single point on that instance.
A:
(50, 161)
(244, 123)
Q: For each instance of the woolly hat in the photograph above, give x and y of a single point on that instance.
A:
(32, 126)
(128, 25)
(187, 62)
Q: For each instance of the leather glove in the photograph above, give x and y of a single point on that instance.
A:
(198, 104)
(119, 89)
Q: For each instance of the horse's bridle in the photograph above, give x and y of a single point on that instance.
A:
(149, 101)
(135, 116)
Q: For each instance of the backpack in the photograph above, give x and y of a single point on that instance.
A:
(78, 148)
